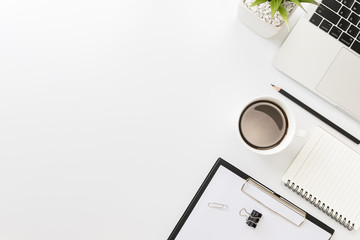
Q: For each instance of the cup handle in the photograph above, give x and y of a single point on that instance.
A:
(301, 133)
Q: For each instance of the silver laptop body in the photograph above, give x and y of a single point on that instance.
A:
(323, 54)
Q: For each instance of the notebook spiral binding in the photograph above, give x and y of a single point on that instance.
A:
(322, 206)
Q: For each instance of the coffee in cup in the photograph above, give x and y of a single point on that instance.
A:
(263, 124)
(266, 125)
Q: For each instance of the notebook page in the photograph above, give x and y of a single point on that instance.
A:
(329, 171)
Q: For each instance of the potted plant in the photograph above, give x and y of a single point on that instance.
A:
(267, 17)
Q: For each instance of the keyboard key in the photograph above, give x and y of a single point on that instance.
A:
(353, 31)
(325, 12)
(332, 4)
(325, 25)
(348, 3)
(356, 8)
(343, 24)
(356, 47)
(316, 19)
(335, 32)
(354, 19)
(344, 12)
(346, 39)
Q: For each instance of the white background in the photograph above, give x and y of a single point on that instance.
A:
(113, 112)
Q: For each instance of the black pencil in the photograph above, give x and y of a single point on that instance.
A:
(316, 114)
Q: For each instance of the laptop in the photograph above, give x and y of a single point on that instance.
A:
(322, 53)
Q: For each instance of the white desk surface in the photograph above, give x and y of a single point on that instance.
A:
(113, 112)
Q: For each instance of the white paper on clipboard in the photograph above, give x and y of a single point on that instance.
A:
(205, 223)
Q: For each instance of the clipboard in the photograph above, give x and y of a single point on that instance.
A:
(215, 212)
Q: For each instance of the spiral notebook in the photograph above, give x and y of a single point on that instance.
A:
(326, 173)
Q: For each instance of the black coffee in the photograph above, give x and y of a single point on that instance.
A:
(263, 124)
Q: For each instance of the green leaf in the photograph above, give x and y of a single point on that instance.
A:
(257, 2)
(283, 14)
(297, 2)
(274, 5)
(309, 1)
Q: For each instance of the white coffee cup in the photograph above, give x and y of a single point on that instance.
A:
(286, 137)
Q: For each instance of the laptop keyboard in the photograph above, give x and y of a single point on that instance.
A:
(341, 19)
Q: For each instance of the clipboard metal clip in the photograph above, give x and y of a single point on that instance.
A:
(273, 202)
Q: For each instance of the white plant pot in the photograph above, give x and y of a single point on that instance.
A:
(258, 24)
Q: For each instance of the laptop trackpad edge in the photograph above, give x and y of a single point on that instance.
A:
(341, 82)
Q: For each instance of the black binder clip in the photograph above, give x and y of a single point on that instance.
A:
(251, 219)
